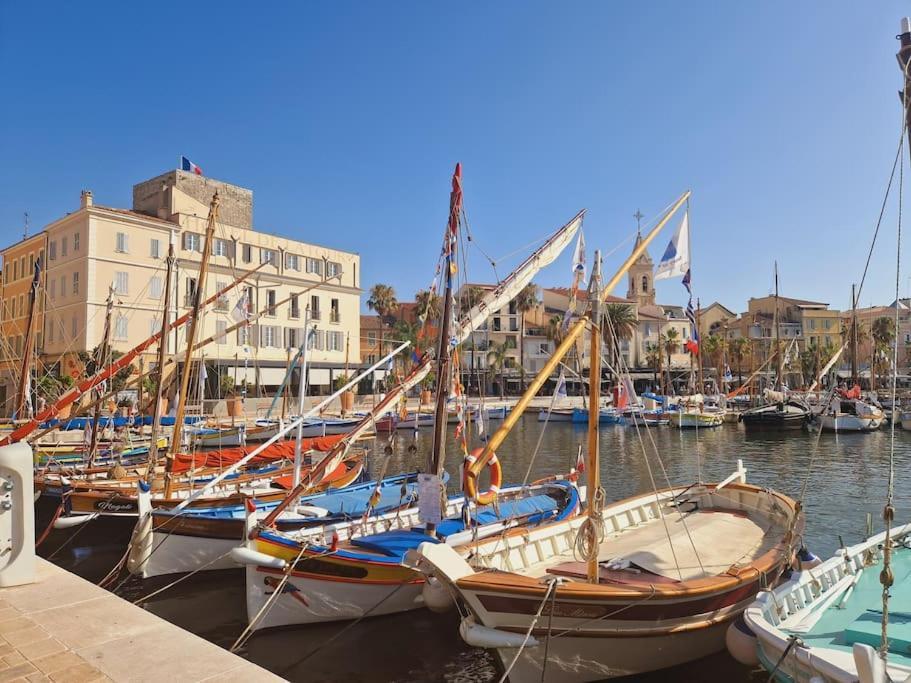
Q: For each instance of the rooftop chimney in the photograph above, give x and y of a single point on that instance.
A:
(85, 200)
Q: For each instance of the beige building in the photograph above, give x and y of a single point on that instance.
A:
(95, 248)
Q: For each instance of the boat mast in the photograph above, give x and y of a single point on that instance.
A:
(162, 355)
(100, 361)
(594, 400)
(444, 350)
(778, 334)
(853, 337)
(699, 354)
(25, 384)
(191, 338)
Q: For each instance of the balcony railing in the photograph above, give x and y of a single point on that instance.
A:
(334, 317)
(315, 314)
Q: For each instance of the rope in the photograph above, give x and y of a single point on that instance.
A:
(792, 641)
(182, 578)
(551, 586)
(50, 526)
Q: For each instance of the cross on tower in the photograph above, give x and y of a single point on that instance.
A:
(638, 216)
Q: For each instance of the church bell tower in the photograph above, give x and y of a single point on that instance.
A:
(641, 275)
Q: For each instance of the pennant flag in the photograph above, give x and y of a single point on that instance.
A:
(560, 391)
(579, 258)
(479, 421)
(580, 461)
(676, 259)
(728, 376)
(686, 281)
(241, 309)
(187, 165)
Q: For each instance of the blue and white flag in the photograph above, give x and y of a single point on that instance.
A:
(560, 391)
(579, 258)
(676, 259)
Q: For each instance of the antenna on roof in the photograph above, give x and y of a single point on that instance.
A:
(25, 226)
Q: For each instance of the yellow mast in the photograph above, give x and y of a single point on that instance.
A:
(569, 340)
(191, 338)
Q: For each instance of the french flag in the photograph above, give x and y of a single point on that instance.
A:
(187, 165)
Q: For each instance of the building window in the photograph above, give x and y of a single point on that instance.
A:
(270, 302)
(75, 283)
(295, 306)
(154, 325)
(120, 327)
(267, 256)
(155, 287)
(247, 253)
(192, 241)
(314, 307)
(155, 249)
(371, 338)
(267, 337)
(645, 284)
(76, 241)
(64, 243)
(53, 289)
(190, 291)
(122, 244)
(51, 252)
(74, 327)
(315, 266)
(496, 324)
(63, 286)
(21, 305)
(121, 282)
(292, 336)
(333, 311)
(292, 261)
(336, 341)
(243, 335)
(319, 340)
(333, 269)
(221, 330)
(31, 265)
(221, 248)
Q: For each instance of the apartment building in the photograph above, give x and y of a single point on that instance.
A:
(98, 248)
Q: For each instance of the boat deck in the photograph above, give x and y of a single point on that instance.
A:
(858, 619)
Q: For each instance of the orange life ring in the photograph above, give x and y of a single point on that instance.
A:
(471, 481)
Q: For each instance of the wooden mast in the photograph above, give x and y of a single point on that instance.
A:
(699, 354)
(778, 334)
(568, 342)
(444, 349)
(594, 400)
(162, 356)
(853, 337)
(25, 384)
(191, 338)
(100, 361)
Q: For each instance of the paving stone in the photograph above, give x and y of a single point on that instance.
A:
(13, 659)
(29, 635)
(16, 672)
(37, 677)
(57, 662)
(40, 648)
(15, 624)
(81, 673)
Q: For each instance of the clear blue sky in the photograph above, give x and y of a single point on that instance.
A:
(347, 118)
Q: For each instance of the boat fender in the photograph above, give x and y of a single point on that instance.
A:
(741, 642)
(242, 555)
(70, 521)
(483, 636)
(470, 481)
(436, 595)
(806, 560)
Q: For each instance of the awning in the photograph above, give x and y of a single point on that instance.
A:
(240, 374)
(318, 376)
(378, 375)
(271, 376)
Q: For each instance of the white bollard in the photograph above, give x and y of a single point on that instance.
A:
(17, 515)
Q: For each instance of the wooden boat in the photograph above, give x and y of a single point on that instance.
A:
(848, 415)
(790, 413)
(556, 415)
(329, 426)
(695, 419)
(364, 574)
(824, 624)
(415, 420)
(648, 610)
(650, 418)
(606, 416)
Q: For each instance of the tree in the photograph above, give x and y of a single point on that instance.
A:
(497, 361)
(93, 363)
(653, 359)
(710, 348)
(738, 350)
(848, 338)
(883, 334)
(468, 299)
(383, 302)
(525, 301)
(670, 342)
(620, 323)
(406, 331)
(428, 305)
(554, 329)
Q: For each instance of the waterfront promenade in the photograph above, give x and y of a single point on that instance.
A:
(62, 628)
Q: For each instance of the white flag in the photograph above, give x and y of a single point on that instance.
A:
(579, 257)
(241, 309)
(479, 420)
(560, 391)
(676, 259)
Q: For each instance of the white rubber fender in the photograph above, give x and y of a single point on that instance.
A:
(483, 636)
(70, 521)
(742, 643)
(243, 555)
(436, 595)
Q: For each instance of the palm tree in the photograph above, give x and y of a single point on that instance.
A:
(427, 305)
(471, 295)
(525, 300)
(710, 348)
(382, 300)
(554, 329)
(497, 359)
(738, 348)
(670, 341)
(848, 338)
(653, 359)
(620, 323)
(883, 333)
(406, 331)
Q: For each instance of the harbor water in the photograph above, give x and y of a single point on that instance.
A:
(845, 476)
